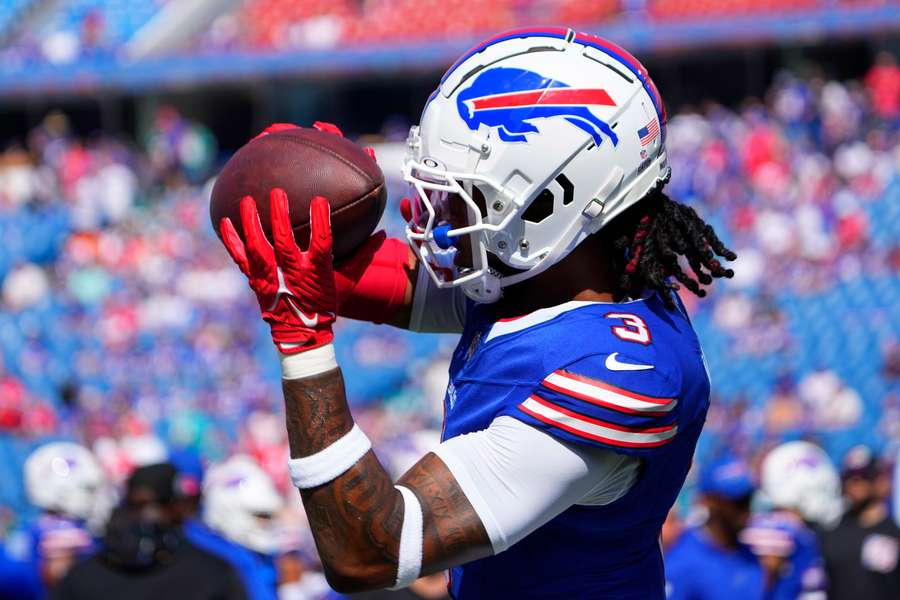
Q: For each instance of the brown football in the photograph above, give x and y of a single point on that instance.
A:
(304, 163)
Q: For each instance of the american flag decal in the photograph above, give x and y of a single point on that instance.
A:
(649, 132)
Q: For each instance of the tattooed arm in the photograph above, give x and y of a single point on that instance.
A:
(357, 518)
(518, 477)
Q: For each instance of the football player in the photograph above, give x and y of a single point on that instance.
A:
(802, 486)
(539, 230)
(709, 561)
(239, 505)
(66, 483)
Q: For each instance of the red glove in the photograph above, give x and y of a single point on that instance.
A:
(295, 289)
(320, 125)
(372, 284)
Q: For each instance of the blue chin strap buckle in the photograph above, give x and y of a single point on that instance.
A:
(444, 241)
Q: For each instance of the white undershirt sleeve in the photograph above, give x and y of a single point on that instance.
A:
(436, 310)
(517, 477)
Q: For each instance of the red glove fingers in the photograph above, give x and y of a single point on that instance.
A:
(328, 127)
(406, 210)
(320, 241)
(332, 128)
(275, 128)
(234, 245)
(307, 277)
(259, 250)
(295, 289)
(287, 253)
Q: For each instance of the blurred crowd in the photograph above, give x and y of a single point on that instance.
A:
(125, 327)
(100, 30)
(804, 185)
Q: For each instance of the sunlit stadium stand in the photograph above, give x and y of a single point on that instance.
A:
(116, 20)
(232, 39)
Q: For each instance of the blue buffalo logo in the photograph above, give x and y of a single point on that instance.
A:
(512, 99)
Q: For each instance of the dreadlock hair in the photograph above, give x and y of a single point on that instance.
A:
(648, 239)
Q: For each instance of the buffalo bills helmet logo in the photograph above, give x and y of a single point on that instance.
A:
(512, 99)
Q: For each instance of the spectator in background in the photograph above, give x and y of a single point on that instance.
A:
(180, 148)
(709, 562)
(144, 553)
(862, 554)
(883, 84)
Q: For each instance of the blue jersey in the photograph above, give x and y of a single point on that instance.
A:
(19, 580)
(24, 554)
(785, 535)
(628, 377)
(257, 571)
(698, 569)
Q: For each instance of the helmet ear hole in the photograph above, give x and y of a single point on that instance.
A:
(567, 187)
(478, 198)
(540, 208)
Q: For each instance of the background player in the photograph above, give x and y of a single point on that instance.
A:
(583, 384)
(65, 482)
(802, 486)
(239, 504)
(709, 561)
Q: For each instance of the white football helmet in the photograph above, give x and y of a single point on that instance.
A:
(539, 138)
(65, 478)
(800, 476)
(240, 502)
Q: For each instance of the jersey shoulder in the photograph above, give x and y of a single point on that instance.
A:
(601, 374)
(549, 338)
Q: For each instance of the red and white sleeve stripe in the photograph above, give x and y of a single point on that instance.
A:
(607, 396)
(595, 429)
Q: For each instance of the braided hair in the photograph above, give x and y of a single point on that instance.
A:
(648, 239)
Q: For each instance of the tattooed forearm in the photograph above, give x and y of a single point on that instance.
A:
(356, 521)
(315, 419)
(453, 532)
(357, 518)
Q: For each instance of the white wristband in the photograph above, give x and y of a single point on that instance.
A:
(309, 363)
(409, 557)
(330, 462)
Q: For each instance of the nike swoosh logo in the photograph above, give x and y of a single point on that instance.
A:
(613, 364)
(308, 321)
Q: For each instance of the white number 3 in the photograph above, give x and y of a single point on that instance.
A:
(634, 330)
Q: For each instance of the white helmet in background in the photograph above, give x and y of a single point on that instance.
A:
(800, 476)
(545, 136)
(65, 478)
(240, 502)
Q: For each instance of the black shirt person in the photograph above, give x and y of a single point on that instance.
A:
(862, 554)
(144, 554)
